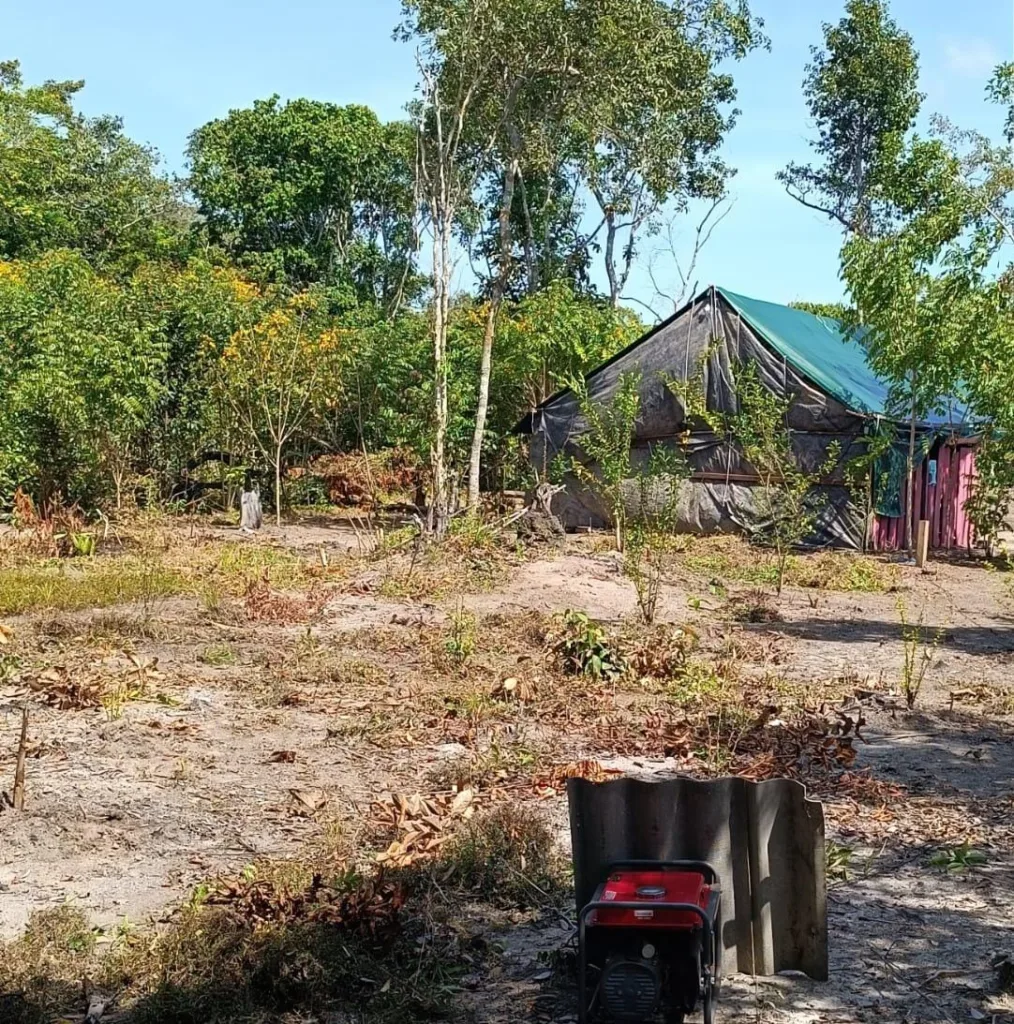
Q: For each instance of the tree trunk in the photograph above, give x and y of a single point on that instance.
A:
(495, 302)
(910, 510)
(278, 486)
(438, 458)
(614, 284)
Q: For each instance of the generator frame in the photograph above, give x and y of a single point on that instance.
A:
(710, 951)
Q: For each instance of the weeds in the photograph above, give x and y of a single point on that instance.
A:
(461, 638)
(838, 858)
(41, 971)
(507, 856)
(583, 648)
(958, 858)
(98, 583)
(217, 655)
(918, 654)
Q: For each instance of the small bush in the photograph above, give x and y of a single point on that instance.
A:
(507, 856)
(583, 648)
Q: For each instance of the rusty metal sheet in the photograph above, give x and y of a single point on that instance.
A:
(765, 840)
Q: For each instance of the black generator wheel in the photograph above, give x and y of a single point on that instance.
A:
(708, 1002)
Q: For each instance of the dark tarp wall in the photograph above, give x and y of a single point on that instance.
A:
(719, 497)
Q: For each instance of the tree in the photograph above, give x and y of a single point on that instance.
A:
(828, 310)
(652, 110)
(308, 192)
(273, 375)
(607, 445)
(861, 90)
(67, 181)
(81, 373)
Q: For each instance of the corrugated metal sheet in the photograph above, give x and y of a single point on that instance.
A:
(765, 840)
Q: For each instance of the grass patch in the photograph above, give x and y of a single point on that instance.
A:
(314, 938)
(734, 560)
(508, 857)
(97, 583)
(41, 971)
(217, 655)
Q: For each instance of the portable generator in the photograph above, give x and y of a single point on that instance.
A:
(648, 943)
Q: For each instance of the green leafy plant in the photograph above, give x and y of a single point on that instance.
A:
(838, 860)
(787, 503)
(584, 649)
(918, 653)
(958, 858)
(651, 541)
(460, 642)
(607, 445)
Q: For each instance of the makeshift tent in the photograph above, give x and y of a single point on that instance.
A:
(834, 396)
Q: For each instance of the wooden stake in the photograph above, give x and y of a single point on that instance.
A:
(922, 543)
(18, 795)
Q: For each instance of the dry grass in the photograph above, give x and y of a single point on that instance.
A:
(41, 972)
(302, 939)
(733, 560)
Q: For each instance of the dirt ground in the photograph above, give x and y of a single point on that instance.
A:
(250, 739)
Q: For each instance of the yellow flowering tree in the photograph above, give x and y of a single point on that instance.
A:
(274, 375)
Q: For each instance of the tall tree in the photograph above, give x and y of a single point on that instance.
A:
(861, 90)
(652, 110)
(67, 181)
(308, 192)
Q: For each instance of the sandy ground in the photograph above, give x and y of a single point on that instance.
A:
(126, 814)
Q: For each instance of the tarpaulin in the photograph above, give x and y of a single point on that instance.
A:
(809, 361)
(764, 839)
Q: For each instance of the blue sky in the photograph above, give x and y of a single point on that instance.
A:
(168, 69)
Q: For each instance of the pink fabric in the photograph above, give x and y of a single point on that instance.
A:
(942, 504)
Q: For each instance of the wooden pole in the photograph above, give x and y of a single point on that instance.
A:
(18, 795)
(922, 543)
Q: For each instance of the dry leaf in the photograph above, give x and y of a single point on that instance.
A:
(282, 757)
(305, 803)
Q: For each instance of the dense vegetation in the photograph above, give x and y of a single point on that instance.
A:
(299, 292)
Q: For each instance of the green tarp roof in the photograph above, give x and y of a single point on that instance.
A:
(819, 349)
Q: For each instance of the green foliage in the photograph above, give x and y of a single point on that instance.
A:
(71, 182)
(828, 310)
(584, 649)
(308, 192)
(958, 858)
(862, 94)
(787, 505)
(461, 637)
(651, 542)
(606, 444)
(838, 859)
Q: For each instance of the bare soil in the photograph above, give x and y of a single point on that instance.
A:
(242, 723)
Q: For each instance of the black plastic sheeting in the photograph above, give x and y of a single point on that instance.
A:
(765, 840)
(709, 335)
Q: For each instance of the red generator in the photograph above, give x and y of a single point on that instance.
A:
(648, 943)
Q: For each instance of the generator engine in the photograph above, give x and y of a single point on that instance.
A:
(648, 944)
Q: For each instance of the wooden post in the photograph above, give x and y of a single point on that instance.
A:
(18, 793)
(922, 543)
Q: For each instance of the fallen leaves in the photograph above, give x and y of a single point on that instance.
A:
(369, 907)
(554, 781)
(422, 824)
(266, 605)
(306, 803)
